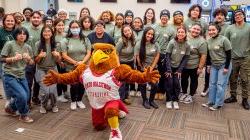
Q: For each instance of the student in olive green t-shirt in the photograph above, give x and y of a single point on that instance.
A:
(195, 64)
(219, 67)
(119, 22)
(46, 57)
(163, 34)
(108, 17)
(126, 50)
(149, 18)
(137, 28)
(16, 55)
(178, 51)
(239, 36)
(147, 53)
(76, 49)
(87, 24)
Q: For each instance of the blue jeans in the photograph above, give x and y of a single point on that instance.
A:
(18, 90)
(218, 84)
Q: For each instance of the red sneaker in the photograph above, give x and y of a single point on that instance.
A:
(115, 134)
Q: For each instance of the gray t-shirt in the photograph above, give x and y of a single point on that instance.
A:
(126, 53)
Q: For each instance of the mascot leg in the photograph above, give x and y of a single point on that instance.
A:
(111, 114)
(98, 120)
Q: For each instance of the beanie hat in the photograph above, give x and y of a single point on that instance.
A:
(177, 13)
(165, 12)
(129, 13)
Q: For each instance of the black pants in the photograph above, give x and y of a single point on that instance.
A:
(161, 67)
(30, 76)
(126, 87)
(207, 75)
(143, 90)
(61, 87)
(172, 86)
(76, 92)
(192, 73)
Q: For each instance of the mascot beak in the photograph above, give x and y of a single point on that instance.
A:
(99, 57)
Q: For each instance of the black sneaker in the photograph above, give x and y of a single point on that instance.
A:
(153, 104)
(146, 104)
(231, 99)
(245, 104)
(214, 108)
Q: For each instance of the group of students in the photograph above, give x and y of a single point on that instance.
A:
(180, 51)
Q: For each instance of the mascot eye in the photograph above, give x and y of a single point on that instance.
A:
(109, 51)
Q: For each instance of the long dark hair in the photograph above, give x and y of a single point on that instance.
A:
(142, 53)
(42, 44)
(84, 8)
(81, 35)
(91, 20)
(145, 18)
(125, 39)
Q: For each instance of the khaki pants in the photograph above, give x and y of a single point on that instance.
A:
(240, 68)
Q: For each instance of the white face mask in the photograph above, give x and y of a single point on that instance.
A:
(75, 31)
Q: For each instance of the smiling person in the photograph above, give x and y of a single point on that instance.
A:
(178, 19)
(119, 21)
(18, 19)
(239, 36)
(108, 17)
(195, 64)
(138, 27)
(84, 13)
(27, 14)
(76, 49)
(163, 34)
(177, 54)
(219, 66)
(126, 51)
(46, 57)
(149, 18)
(129, 16)
(147, 54)
(194, 16)
(16, 55)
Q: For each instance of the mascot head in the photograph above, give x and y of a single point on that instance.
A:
(104, 58)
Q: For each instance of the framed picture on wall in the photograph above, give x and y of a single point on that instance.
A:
(108, 0)
(146, 1)
(180, 1)
(75, 0)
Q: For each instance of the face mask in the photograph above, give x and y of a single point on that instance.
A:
(75, 31)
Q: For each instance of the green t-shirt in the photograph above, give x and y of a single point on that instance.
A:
(126, 53)
(4, 37)
(151, 52)
(116, 34)
(217, 48)
(109, 28)
(177, 51)
(189, 22)
(26, 24)
(48, 62)
(87, 32)
(163, 34)
(138, 35)
(75, 49)
(16, 69)
(59, 39)
(223, 28)
(240, 40)
(34, 35)
(198, 46)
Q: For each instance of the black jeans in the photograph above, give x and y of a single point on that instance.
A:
(76, 92)
(61, 87)
(172, 86)
(143, 90)
(126, 87)
(30, 71)
(192, 73)
(161, 66)
(207, 75)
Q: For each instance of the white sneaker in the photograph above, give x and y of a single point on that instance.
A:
(176, 105)
(55, 109)
(169, 105)
(122, 114)
(62, 99)
(204, 93)
(115, 134)
(73, 105)
(138, 93)
(42, 110)
(7, 103)
(80, 104)
(182, 97)
(207, 104)
(132, 93)
(188, 99)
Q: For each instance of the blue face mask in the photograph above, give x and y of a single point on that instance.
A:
(75, 31)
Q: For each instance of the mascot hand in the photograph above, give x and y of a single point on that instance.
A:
(50, 78)
(151, 75)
